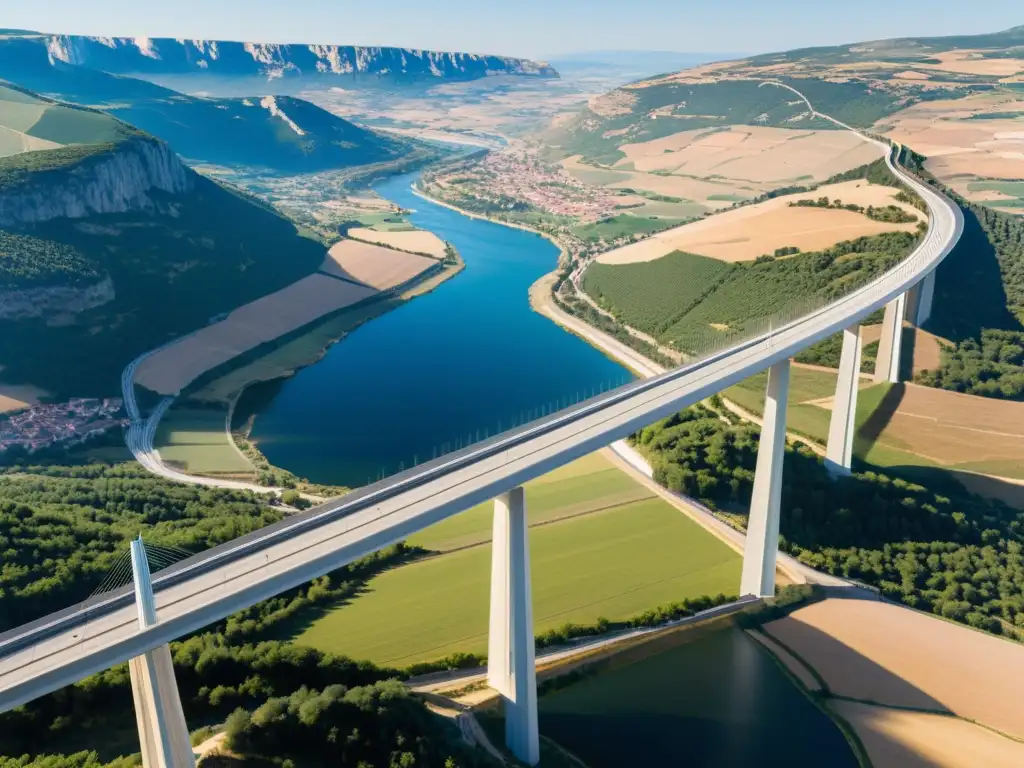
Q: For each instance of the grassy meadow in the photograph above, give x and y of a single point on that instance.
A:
(194, 439)
(601, 546)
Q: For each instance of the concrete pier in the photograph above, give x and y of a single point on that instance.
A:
(163, 734)
(842, 427)
(887, 365)
(511, 666)
(762, 543)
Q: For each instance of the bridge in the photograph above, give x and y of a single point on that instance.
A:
(136, 623)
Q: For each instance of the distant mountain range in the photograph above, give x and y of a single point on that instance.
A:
(167, 56)
(279, 133)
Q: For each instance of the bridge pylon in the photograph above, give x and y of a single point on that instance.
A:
(843, 424)
(511, 666)
(762, 544)
(890, 344)
(163, 733)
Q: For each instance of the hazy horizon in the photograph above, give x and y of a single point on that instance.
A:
(533, 30)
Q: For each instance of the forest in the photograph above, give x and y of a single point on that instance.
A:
(930, 545)
(991, 367)
(986, 356)
(62, 528)
(381, 724)
(29, 262)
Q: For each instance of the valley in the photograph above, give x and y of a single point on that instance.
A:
(314, 267)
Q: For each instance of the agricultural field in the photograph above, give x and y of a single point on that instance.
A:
(745, 233)
(622, 225)
(292, 354)
(918, 662)
(749, 297)
(174, 367)
(194, 440)
(946, 429)
(695, 698)
(411, 240)
(601, 546)
(716, 167)
(15, 397)
(921, 739)
(972, 144)
(374, 266)
(807, 388)
(650, 296)
(29, 123)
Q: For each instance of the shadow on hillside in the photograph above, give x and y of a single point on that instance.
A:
(845, 671)
(879, 419)
(907, 347)
(969, 293)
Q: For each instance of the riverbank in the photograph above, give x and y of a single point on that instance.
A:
(216, 448)
(563, 253)
(457, 346)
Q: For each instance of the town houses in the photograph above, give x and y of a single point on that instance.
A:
(67, 423)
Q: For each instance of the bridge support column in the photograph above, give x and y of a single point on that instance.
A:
(762, 543)
(511, 667)
(919, 310)
(839, 452)
(887, 364)
(162, 731)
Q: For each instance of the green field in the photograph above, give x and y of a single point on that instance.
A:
(695, 303)
(601, 546)
(804, 384)
(1013, 189)
(812, 421)
(650, 295)
(194, 439)
(623, 225)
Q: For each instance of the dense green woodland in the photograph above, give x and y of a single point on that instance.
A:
(373, 725)
(30, 262)
(934, 546)
(979, 306)
(991, 367)
(197, 255)
(61, 528)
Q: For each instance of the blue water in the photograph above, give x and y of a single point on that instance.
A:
(460, 362)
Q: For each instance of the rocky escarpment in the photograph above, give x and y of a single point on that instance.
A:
(53, 301)
(155, 56)
(120, 178)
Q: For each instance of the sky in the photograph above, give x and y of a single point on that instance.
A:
(532, 28)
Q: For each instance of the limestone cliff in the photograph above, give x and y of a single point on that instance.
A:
(121, 179)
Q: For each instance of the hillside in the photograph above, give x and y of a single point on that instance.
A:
(280, 133)
(956, 99)
(165, 56)
(858, 84)
(107, 250)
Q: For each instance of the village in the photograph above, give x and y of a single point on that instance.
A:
(68, 423)
(517, 173)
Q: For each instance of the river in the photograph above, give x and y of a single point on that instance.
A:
(463, 361)
(718, 700)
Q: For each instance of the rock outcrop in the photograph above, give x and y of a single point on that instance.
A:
(114, 181)
(52, 301)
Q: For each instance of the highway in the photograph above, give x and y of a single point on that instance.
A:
(62, 648)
